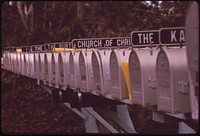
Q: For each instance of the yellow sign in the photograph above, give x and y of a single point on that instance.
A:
(61, 49)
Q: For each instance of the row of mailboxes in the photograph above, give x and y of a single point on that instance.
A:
(156, 77)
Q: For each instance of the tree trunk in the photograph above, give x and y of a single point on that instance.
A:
(80, 11)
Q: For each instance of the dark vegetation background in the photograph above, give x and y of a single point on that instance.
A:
(26, 23)
(25, 107)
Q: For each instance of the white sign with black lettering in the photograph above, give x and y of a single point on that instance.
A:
(172, 36)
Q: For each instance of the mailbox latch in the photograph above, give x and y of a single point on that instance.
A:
(183, 87)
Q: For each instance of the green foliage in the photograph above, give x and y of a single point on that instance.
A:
(64, 21)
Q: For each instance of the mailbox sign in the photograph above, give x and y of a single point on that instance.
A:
(172, 36)
(142, 38)
(101, 42)
(165, 36)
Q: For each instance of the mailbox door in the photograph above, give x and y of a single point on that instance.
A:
(61, 69)
(71, 70)
(114, 74)
(97, 71)
(163, 77)
(83, 76)
(135, 78)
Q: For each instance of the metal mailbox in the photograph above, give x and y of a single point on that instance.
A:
(97, 68)
(142, 65)
(35, 62)
(6, 60)
(31, 65)
(22, 64)
(37, 49)
(58, 76)
(53, 58)
(27, 64)
(40, 66)
(85, 71)
(74, 70)
(41, 71)
(13, 58)
(14, 61)
(19, 63)
(11, 62)
(60, 70)
(49, 68)
(65, 57)
(119, 86)
(103, 57)
(172, 76)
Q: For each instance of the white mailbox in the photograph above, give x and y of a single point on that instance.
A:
(19, 63)
(6, 60)
(74, 70)
(142, 65)
(49, 64)
(22, 64)
(104, 59)
(119, 85)
(172, 76)
(27, 64)
(40, 66)
(36, 65)
(52, 65)
(85, 71)
(60, 75)
(35, 61)
(14, 62)
(97, 69)
(31, 65)
(58, 69)
(65, 57)
(11, 62)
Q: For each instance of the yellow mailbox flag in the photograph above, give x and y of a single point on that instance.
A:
(125, 68)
